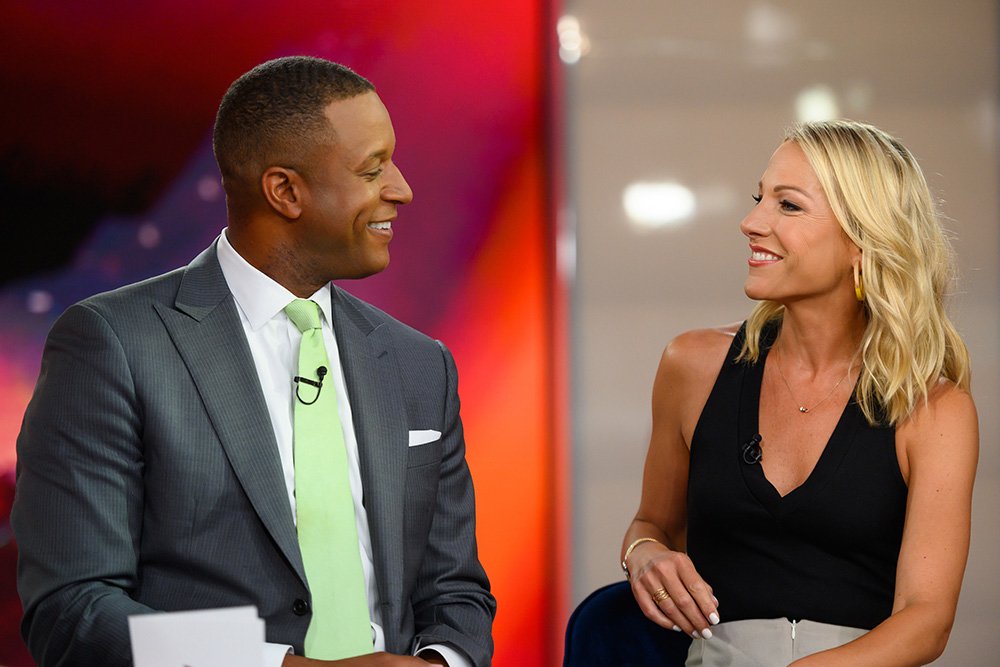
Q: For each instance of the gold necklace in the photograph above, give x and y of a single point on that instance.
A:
(803, 409)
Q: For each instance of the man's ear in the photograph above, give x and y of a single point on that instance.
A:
(283, 190)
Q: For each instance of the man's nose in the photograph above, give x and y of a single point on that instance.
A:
(397, 189)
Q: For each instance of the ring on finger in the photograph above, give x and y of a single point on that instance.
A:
(659, 595)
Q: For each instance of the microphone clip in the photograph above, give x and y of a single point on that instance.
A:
(298, 379)
(752, 453)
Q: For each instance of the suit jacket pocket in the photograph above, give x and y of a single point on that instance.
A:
(424, 454)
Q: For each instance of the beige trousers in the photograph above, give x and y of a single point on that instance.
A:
(772, 642)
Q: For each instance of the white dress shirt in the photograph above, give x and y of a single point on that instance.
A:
(274, 344)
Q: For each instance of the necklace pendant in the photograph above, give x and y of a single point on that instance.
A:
(803, 408)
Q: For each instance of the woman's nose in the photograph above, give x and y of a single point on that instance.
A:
(754, 224)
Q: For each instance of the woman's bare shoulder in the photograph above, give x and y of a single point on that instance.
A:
(943, 430)
(687, 373)
(698, 349)
(947, 406)
(692, 360)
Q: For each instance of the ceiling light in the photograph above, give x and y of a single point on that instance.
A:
(573, 44)
(657, 204)
(816, 103)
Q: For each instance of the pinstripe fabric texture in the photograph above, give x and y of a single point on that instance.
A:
(149, 479)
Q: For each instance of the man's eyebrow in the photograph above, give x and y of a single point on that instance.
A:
(379, 155)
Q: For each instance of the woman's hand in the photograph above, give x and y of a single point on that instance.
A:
(670, 591)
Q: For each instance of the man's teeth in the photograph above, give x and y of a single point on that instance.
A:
(762, 256)
(380, 225)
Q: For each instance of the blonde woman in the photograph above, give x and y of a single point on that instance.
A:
(807, 491)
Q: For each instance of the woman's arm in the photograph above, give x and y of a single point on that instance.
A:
(938, 447)
(684, 379)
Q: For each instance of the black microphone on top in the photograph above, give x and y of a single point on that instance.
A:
(752, 453)
(320, 373)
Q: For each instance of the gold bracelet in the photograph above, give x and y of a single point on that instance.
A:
(628, 552)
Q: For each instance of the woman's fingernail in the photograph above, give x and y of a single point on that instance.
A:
(696, 635)
(716, 600)
(714, 618)
(706, 633)
(676, 628)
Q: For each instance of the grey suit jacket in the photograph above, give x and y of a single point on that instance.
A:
(149, 478)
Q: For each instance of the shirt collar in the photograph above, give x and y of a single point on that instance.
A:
(257, 294)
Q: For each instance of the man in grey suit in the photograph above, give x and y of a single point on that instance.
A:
(156, 458)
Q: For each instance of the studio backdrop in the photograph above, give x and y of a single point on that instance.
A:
(108, 178)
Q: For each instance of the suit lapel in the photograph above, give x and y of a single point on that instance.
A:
(206, 330)
(368, 358)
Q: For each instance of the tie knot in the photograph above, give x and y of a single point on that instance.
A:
(304, 313)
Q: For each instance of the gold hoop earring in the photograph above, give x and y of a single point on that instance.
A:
(859, 285)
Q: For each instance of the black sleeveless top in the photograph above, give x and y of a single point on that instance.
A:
(827, 550)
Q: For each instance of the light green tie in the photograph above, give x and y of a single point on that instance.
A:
(324, 507)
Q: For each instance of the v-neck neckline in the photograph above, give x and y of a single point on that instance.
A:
(834, 451)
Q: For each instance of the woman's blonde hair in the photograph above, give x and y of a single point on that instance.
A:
(878, 194)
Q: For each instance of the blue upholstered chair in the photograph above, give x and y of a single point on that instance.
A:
(608, 629)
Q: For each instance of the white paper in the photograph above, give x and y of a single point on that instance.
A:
(231, 637)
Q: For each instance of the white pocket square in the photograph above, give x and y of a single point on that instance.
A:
(418, 438)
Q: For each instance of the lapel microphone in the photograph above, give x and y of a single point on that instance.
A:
(752, 453)
(320, 373)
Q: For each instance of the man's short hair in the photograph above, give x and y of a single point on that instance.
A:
(274, 114)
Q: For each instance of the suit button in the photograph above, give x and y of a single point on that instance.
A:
(300, 607)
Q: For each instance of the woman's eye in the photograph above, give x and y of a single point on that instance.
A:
(789, 206)
(756, 198)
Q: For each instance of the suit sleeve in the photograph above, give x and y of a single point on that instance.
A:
(452, 600)
(77, 513)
